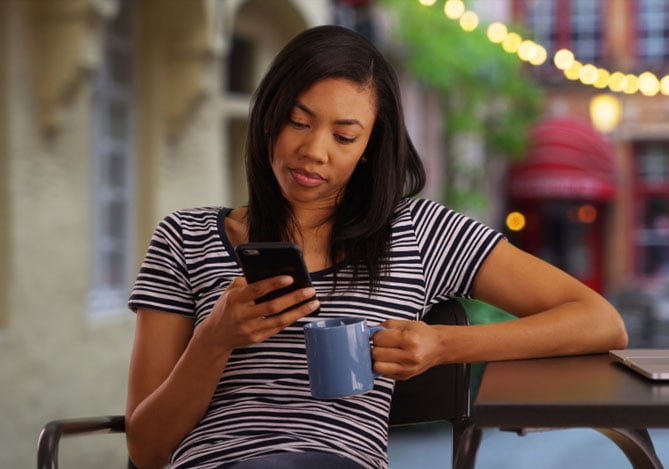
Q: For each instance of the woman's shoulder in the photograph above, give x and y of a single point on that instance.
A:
(197, 213)
(196, 218)
(425, 214)
(413, 207)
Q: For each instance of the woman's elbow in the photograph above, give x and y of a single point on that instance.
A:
(616, 336)
(620, 338)
(143, 460)
(144, 455)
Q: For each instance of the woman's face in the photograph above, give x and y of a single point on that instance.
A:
(323, 140)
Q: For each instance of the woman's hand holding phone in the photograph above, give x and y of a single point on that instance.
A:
(238, 320)
(275, 292)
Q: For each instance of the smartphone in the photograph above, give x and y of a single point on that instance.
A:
(263, 260)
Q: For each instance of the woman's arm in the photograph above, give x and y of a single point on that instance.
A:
(174, 370)
(558, 315)
(171, 381)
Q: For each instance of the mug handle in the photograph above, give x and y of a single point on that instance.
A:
(373, 330)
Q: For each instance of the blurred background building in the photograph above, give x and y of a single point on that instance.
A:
(115, 112)
(594, 185)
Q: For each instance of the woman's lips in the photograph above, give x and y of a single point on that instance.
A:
(306, 178)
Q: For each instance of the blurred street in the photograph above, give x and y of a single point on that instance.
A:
(428, 447)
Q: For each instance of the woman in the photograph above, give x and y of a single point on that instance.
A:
(217, 380)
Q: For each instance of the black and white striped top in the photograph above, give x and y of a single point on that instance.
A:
(262, 403)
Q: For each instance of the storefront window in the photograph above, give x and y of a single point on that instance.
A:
(575, 24)
(586, 30)
(652, 164)
(564, 238)
(652, 233)
(653, 31)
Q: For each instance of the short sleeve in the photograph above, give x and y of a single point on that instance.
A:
(453, 247)
(162, 282)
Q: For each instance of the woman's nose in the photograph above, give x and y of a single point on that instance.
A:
(314, 146)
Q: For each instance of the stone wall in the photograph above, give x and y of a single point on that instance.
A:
(56, 359)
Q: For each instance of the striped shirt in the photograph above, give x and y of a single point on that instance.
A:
(262, 403)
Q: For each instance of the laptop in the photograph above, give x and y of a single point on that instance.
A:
(651, 363)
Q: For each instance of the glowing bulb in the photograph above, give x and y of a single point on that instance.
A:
(664, 85)
(469, 21)
(512, 42)
(515, 221)
(588, 74)
(649, 85)
(632, 85)
(539, 56)
(602, 81)
(454, 9)
(605, 112)
(586, 213)
(617, 81)
(573, 72)
(526, 50)
(563, 59)
(497, 32)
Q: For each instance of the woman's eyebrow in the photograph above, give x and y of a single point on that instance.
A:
(306, 109)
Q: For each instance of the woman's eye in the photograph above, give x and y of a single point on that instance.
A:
(297, 124)
(342, 139)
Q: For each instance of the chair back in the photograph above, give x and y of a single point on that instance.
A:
(442, 392)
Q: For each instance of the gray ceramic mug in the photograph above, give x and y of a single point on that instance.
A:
(339, 356)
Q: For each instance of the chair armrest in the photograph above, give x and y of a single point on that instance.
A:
(49, 437)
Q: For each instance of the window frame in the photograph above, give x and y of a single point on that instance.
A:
(112, 87)
(564, 33)
(655, 62)
(645, 192)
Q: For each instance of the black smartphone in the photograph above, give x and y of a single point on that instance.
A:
(264, 260)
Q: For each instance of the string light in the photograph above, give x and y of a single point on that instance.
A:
(469, 21)
(617, 81)
(563, 59)
(603, 77)
(529, 51)
(511, 43)
(454, 9)
(632, 84)
(664, 85)
(496, 32)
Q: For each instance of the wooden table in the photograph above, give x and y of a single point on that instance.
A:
(589, 391)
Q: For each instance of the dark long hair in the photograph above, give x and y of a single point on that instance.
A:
(393, 169)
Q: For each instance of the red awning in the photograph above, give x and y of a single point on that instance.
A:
(566, 159)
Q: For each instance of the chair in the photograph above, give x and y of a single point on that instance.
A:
(441, 393)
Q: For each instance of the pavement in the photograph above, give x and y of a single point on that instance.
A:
(428, 447)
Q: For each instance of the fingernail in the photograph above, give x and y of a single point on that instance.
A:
(307, 292)
(286, 280)
(314, 305)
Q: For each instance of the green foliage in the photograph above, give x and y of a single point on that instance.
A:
(479, 312)
(483, 90)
